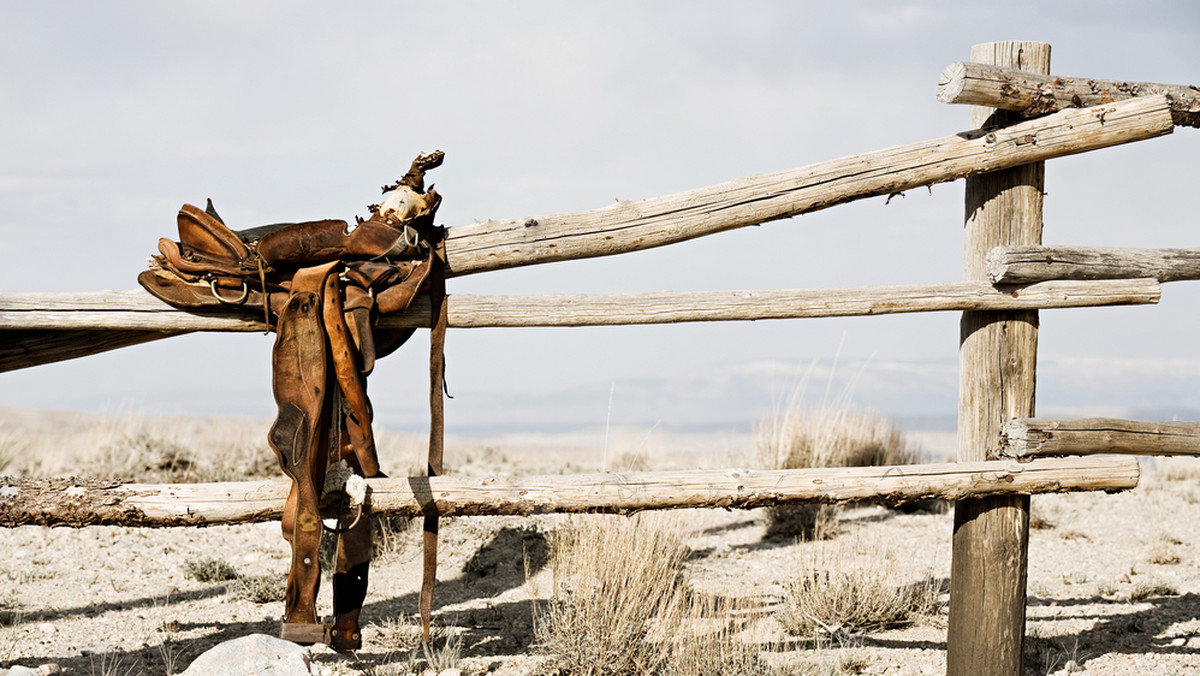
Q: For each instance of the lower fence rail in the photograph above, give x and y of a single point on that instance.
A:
(74, 502)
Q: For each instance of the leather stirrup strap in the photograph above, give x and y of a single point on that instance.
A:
(437, 370)
(350, 380)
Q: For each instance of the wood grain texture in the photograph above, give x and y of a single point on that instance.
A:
(635, 225)
(23, 348)
(1027, 264)
(133, 311)
(1030, 437)
(69, 502)
(1030, 94)
(997, 378)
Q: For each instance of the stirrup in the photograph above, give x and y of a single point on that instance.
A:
(345, 640)
(303, 633)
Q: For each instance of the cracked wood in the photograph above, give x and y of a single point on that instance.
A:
(1028, 264)
(75, 503)
(1030, 94)
(1027, 437)
(136, 310)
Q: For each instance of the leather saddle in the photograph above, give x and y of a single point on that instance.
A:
(321, 286)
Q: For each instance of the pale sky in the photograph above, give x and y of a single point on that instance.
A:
(114, 114)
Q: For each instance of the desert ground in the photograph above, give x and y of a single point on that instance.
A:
(1114, 580)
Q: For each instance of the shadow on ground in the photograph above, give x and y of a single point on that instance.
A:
(1139, 631)
(500, 629)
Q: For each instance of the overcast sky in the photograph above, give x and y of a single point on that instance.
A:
(114, 114)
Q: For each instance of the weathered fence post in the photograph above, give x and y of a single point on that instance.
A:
(998, 362)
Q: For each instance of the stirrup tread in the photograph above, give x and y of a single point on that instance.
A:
(303, 633)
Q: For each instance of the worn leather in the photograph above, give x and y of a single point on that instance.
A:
(321, 285)
(437, 375)
(207, 235)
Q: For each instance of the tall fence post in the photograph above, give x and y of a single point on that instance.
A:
(998, 363)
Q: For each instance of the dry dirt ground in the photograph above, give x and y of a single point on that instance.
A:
(1114, 580)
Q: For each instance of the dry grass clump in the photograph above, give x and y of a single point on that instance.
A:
(834, 436)
(406, 651)
(267, 588)
(148, 449)
(708, 641)
(621, 604)
(400, 633)
(11, 613)
(10, 447)
(390, 535)
(614, 579)
(829, 436)
(163, 457)
(1151, 588)
(209, 569)
(1162, 553)
(841, 591)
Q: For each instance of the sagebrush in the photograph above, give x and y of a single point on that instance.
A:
(622, 604)
(832, 435)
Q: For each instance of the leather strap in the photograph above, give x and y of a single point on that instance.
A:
(349, 378)
(437, 372)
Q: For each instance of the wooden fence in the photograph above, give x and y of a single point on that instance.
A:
(1022, 115)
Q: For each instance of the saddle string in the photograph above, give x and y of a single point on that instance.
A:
(262, 279)
(333, 455)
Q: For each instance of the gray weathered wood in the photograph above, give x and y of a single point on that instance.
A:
(997, 377)
(23, 348)
(634, 225)
(1031, 94)
(631, 226)
(70, 502)
(1027, 437)
(139, 311)
(1028, 264)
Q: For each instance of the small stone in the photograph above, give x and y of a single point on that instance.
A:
(18, 670)
(49, 669)
(453, 671)
(1178, 641)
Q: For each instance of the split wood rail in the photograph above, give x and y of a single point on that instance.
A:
(1021, 117)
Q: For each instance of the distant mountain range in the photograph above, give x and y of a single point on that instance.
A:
(738, 396)
(732, 397)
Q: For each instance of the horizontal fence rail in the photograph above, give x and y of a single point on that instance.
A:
(635, 225)
(1029, 94)
(130, 310)
(1031, 437)
(71, 502)
(1029, 264)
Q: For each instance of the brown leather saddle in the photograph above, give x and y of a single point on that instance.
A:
(321, 285)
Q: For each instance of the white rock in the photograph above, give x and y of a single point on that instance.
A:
(18, 670)
(254, 655)
(453, 671)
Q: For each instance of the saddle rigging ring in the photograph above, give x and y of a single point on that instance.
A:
(212, 285)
